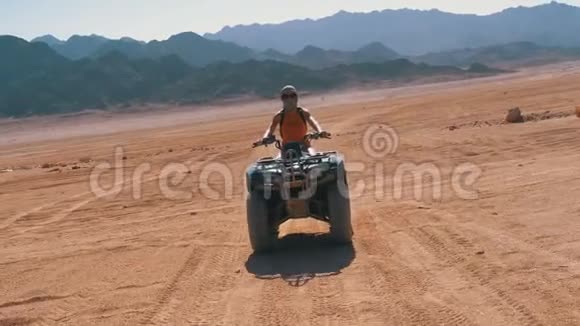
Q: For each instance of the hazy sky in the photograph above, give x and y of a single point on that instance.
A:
(158, 19)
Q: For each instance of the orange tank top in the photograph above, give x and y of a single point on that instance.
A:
(293, 128)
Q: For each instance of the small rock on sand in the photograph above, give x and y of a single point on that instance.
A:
(578, 111)
(451, 128)
(85, 160)
(514, 116)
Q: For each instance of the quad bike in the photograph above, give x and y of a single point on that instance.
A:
(295, 185)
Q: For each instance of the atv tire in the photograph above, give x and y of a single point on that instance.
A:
(339, 211)
(263, 235)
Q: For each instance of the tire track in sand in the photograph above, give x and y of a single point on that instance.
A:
(451, 247)
(195, 292)
(165, 303)
(386, 275)
(211, 289)
(402, 289)
(278, 305)
(329, 302)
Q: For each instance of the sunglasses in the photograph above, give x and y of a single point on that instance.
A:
(288, 96)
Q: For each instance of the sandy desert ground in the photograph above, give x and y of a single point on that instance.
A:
(170, 247)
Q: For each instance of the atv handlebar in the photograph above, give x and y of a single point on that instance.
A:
(273, 140)
(266, 141)
(318, 135)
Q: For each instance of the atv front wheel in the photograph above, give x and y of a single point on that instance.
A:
(263, 234)
(339, 211)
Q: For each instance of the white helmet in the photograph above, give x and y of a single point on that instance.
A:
(288, 89)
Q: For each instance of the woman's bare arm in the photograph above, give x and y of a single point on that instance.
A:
(311, 121)
(272, 128)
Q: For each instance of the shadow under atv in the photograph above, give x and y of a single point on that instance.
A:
(300, 258)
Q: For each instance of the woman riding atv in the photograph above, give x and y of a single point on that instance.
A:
(293, 121)
(297, 184)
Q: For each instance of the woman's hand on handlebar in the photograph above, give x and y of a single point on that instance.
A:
(318, 135)
(265, 141)
(325, 134)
